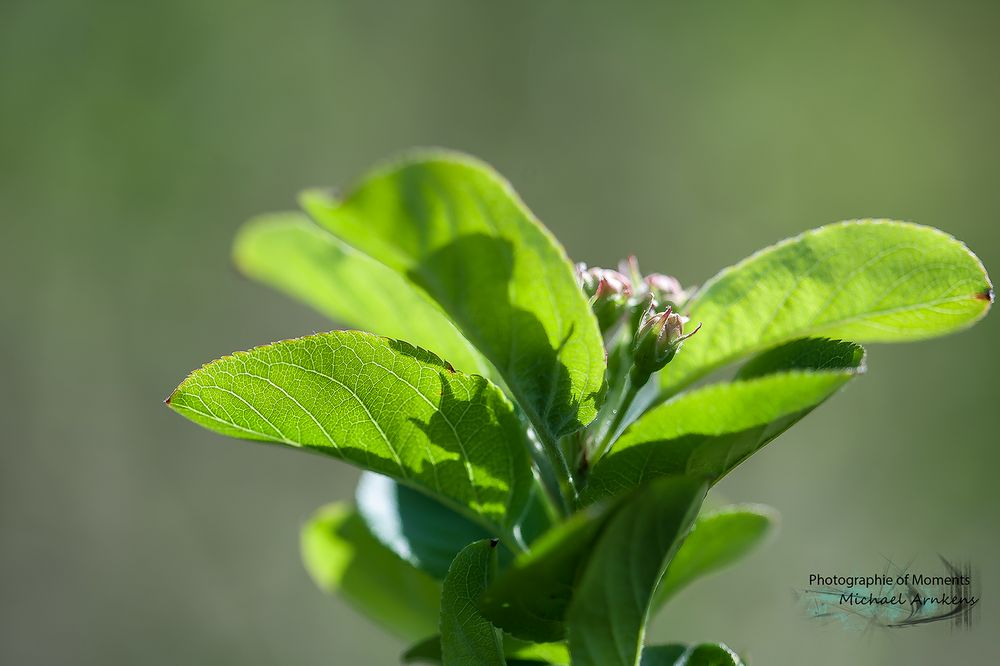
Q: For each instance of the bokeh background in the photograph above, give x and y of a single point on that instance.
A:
(136, 137)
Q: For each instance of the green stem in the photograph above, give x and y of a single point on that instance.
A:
(567, 487)
(551, 504)
(556, 482)
(607, 436)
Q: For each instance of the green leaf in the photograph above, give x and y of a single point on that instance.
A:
(468, 638)
(381, 404)
(710, 430)
(663, 655)
(706, 654)
(343, 558)
(529, 600)
(290, 253)
(867, 281)
(428, 534)
(457, 229)
(416, 527)
(429, 652)
(607, 619)
(718, 539)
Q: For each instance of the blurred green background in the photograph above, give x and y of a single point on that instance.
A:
(136, 137)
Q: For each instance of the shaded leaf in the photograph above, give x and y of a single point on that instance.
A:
(706, 654)
(428, 534)
(867, 281)
(468, 638)
(290, 253)
(343, 558)
(456, 228)
(416, 527)
(718, 539)
(529, 600)
(378, 403)
(606, 621)
(663, 655)
(710, 430)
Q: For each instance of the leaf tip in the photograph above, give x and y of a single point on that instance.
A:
(986, 295)
(493, 542)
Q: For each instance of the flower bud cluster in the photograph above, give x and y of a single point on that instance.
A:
(614, 293)
(649, 302)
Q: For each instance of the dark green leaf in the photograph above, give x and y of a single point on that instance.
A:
(530, 599)
(416, 527)
(663, 655)
(290, 253)
(343, 558)
(868, 281)
(606, 621)
(457, 229)
(718, 539)
(428, 534)
(710, 430)
(468, 638)
(706, 654)
(380, 404)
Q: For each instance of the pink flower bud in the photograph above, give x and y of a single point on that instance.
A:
(657, 340)
(608, 291)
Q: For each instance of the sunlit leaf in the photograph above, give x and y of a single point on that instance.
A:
(718, 538)
(378, 403)
(344, 559)
(710, 430)
(866, 281)
(457, 229)
(290, 253)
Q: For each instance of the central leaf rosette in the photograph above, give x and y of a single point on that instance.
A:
(535, 459)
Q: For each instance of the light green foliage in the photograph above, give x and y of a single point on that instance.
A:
(468, 638)
(718, 539)
(607, 618)
(377, 403)
(867, 281)
(343, 558)
(290, 253)
(556, 654)
(456, 228)
(593, 502)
